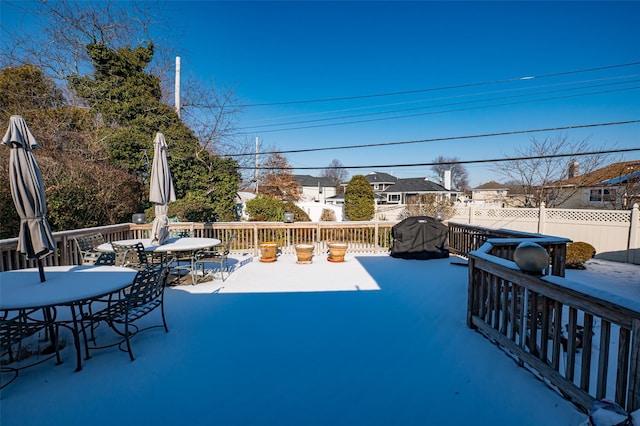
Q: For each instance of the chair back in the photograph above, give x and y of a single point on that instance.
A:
(148, 286)
(130, 255)
(227, 244)
(86, 245)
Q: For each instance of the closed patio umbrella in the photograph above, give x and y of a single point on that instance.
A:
(35, 240)
(161, 192)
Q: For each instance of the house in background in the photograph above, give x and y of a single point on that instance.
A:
(380, 181)
(388, 189)
(616, 186)
(315, 189)
(409, 191)
(494, 194)
(489, 193)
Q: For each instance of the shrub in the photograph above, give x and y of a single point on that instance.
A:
(328, 215)
(578, 253)
(271, 210)
(299, 215)
(194, 207)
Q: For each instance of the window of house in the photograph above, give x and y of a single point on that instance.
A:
(394, 198)
(601, 195)
(608, 195)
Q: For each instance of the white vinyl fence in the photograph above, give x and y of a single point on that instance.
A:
(615, 234)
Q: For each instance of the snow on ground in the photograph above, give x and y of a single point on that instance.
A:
(371, 341)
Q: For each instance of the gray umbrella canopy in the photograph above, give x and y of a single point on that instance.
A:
(161, 192)
(35, 240)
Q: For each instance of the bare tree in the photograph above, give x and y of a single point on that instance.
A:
(211, 114)
(459, 175)
(428, 205)
(539, 173)
(276, 180)
(337, 173)
(67, 27)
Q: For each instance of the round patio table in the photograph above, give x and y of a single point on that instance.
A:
(173, 245)
(71, 285)
(189, 245)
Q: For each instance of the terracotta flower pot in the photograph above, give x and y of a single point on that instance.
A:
(304, 253)
(268, 251)
(336, 252)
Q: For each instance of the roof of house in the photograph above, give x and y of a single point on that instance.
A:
(516, 190)
(415, 185)
(513, 189)
(377, 177)
(491, 185)
(308, 180)
(336, 197)
(339, 197)
(613, 174)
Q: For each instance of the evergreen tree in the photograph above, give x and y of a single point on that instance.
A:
(358, 199)
(129, 101)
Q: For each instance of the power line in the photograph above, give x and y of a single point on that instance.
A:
(444, 111)
(433, 89)
(493, 160)
(324, 112)
(448, 138)
(450, 104)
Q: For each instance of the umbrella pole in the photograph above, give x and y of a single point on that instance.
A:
(41, 270)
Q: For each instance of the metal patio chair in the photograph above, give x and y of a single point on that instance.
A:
(15, 326)
(130, 255)
(87, 248)
(145, 295)
(219, 256)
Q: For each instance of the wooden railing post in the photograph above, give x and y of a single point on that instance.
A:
(633, 400)
(633, 250)
(255, 240)
(471, 295)
(375, 239)
(542, 218)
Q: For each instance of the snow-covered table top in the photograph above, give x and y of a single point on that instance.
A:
(172, 245)
(22, 289)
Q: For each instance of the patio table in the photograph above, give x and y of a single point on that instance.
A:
(189, 245)
(67, 286)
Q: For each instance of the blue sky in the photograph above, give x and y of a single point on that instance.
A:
(272, 52)
(291, 51)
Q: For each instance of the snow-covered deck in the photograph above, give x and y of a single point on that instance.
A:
(371, 341)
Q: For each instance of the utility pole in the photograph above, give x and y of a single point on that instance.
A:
(256, 175)
(177, 90)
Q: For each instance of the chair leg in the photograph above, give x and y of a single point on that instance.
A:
(164, 321)
(126, 337)
(224, 266)
(76, 335)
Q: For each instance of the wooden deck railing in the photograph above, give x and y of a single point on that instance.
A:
(587, 346)
(577, 342)
(464, 238)
(362, 237)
